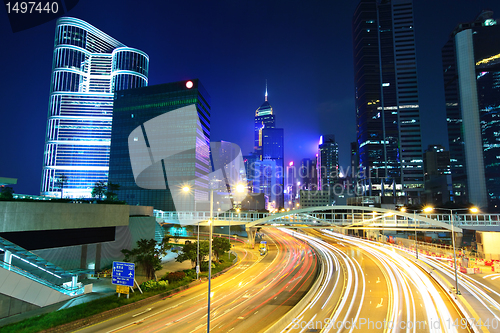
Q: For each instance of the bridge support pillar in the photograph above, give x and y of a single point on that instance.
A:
(458, 239)
(251, 236)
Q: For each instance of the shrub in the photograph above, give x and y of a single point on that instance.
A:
(174, 276)
(204, 266)
(154, 285)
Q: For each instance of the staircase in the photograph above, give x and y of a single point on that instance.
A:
(39, 270)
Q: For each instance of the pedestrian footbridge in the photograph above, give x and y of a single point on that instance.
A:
(346, 217)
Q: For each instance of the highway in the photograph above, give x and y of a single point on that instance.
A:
(479, 289)
(372, 288)
(247, 298)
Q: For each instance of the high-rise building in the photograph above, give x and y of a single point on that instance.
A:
(273, 149)
(471, 70)
(158, 144)
(88, 67)
(308, 174)
(328, 162)
(265, 181)
(264, 119)
(437, 175)
(386, 93)
(268, 144)
(249, 161)
(291, 187)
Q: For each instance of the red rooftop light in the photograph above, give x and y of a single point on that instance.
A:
(189, 84)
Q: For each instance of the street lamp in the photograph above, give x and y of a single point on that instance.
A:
(426, 209)
(187, 189)
(472, 210)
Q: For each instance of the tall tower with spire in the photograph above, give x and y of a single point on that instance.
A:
(264, 118)
(268, 146)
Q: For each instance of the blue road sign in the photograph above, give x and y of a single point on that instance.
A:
(123, 273)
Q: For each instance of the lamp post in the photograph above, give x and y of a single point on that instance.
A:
(187, 189)
(472, 210)
(427, 210)
(210, 256)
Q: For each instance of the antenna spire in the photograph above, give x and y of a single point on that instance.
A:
(266, 90)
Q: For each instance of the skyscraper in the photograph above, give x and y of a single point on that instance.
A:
(265, 181)
(471, 70)
(328, 162)
(273, 149)
(268, 144)
(386, 92)
(153, 129)
(308, 174)
(437, 175)
(88, 67)
(264, 119)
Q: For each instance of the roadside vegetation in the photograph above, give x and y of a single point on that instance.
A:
(166, 285)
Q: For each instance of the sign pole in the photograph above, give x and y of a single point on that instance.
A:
(138, 286)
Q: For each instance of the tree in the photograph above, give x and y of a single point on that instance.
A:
(61, 182)
(111, 191)
(98, 190)
(220, 246)
(190, 228)
(189, 251)
(148, 255)
(7, 193)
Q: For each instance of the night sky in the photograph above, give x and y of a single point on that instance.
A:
(302, 48)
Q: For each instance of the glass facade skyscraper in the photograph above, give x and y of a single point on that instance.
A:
(268, 144)
(142, 119)
(471, 70)
(328, 162)
(88, 67)
(264, 119)
(386, 91)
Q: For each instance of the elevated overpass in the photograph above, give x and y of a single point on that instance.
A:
(346, 217)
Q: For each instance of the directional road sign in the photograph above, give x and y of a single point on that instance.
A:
(123, 273)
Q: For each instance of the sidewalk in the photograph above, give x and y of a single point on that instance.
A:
(101, 287)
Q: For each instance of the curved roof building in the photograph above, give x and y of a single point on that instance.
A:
(88, 67)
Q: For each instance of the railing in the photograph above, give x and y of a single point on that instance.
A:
(340, 218)
(62, 289)
(224, 216)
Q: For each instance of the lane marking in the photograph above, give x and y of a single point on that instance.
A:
(138, 314)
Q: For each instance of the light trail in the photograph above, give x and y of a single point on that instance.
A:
(240, 296)
(434, 306)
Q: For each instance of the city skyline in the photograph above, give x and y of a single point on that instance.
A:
(302, 78)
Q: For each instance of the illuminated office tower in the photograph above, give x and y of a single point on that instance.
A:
(88, 67)
(160, 143)
(268, 144)
(264, 119)
(471, 70)
(328, 162)
(386, 93)
(265, 182)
